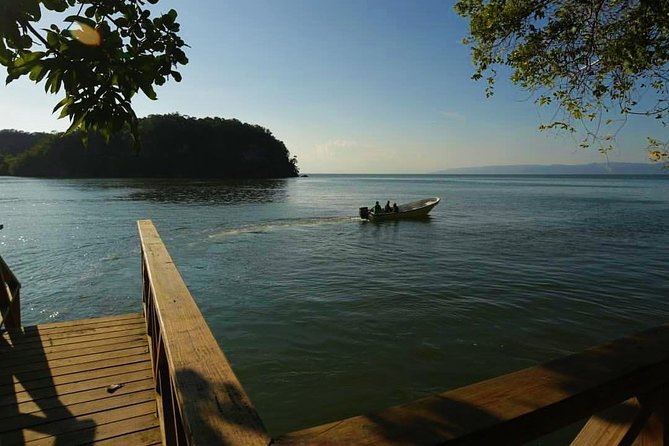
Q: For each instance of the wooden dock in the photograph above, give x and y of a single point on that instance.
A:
(55, 384)
(161, 378)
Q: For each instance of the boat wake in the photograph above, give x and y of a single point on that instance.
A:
(292, 223)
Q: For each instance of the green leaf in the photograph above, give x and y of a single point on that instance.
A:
(55, 5)
(37, 73)
(80, 19)
(148, 90)
(52, 38)
(76, 123)
(65, 101)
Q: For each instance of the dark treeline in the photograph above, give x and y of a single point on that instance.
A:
(13, 142)
(172, 146)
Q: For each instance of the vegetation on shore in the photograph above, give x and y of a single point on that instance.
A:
(173, 146)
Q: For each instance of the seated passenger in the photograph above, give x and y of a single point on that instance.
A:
(387, 208)
(395, 208)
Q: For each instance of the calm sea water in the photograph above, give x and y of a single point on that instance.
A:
(325, 316)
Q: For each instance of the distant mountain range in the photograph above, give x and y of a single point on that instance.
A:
(562, 169)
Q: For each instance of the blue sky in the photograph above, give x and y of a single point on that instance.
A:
(353, 86)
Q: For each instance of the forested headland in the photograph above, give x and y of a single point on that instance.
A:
(172, 146)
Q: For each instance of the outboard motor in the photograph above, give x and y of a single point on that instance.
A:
(364, 212)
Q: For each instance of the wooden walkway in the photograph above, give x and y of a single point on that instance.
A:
(55, 378)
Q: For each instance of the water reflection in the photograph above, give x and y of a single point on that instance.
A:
(208, 191)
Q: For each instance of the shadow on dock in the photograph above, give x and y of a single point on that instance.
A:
(78, 382)
(29, 402)
(236, 411)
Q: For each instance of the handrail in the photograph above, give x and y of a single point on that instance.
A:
(10, 298)
(200, 400)
(528, 404)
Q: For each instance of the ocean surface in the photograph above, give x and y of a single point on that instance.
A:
(325, 316)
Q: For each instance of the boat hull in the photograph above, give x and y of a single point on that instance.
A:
(416, 209)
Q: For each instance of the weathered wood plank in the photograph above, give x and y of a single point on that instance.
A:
(54, 382)
(15, 358)
(54, 328)
(78, 410)
(25, 341)
(108, 431)
(60, 351)
(65, 389)
(655, 432)
(48, 344)
(78, 369)
(618, 425)
(514, 408)
(56, 365)
(99, 393)
(89, 421)
(70, 325)
(212, 402)
(146, 437)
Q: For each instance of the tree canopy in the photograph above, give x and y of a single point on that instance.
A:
(117, 48)
(596, 61)
(173, 146)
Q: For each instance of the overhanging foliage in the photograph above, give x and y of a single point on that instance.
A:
(116, 49)
(593, 59)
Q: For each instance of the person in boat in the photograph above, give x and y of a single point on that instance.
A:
(395, 208)
(377, 208)
(388, 208)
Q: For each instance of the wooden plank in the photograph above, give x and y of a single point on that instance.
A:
(141, 438)
(65, 337)
(108, 431)
(67, 325)
(56, 381)
(618, 425)
(78, 410)
(94, 420)
(99, 393)
(655, 431)
(514, 408)
(61, 351)
(65, 389)
(57, 364)
(71, 342)
(73, 326)
(77, 369)
(83, 325)
(10, 360)
(214, 406)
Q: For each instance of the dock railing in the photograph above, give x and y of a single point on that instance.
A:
(199, 399)
(10, 298)
(621, 388)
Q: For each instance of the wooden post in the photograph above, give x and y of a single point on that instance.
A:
(655, 432)
(10, 298)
